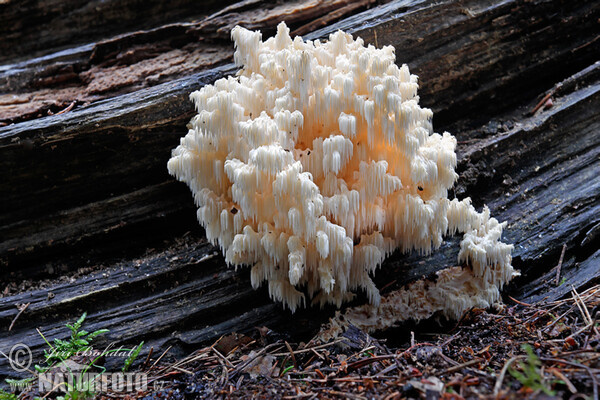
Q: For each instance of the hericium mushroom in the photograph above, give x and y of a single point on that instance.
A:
(315, 162)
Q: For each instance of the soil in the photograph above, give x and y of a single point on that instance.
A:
(545, 350)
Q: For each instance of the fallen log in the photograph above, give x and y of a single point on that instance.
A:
(90, 220)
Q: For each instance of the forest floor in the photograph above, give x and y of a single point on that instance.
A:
(92, 221)
(544, 350)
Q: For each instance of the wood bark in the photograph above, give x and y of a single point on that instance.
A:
(91, 221)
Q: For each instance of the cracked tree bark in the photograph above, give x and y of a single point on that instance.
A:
(91, 221)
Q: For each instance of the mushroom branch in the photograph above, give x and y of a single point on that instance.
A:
(315, 162)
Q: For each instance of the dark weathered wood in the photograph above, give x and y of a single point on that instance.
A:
(33, 26)
(59, 144)
(86, 196)
(93, 157)
(76, 76)
(546, 185)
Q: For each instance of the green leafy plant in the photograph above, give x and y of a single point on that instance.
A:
(79, 341)
(19, 384)
(7, 396)
(80, 389)
(132, 357)
(75, 394)
(530, 376)
(562, 282)
(81, 386)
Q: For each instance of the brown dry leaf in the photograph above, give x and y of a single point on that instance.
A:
(432, 383)
(558, 329)
(261, 366)
(230, 342)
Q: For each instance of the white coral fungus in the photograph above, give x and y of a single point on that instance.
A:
(316, 162)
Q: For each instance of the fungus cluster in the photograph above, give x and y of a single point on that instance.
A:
(315, 162)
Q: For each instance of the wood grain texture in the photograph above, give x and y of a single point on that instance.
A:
(79, 75)
(91, 221)
(32, 27)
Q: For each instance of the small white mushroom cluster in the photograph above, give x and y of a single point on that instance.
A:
(316, 162)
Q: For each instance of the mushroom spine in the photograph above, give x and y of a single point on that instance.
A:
(315, 162)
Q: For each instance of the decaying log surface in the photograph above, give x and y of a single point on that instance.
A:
(91, 221)
(40, 86)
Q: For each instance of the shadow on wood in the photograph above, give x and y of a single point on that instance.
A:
(91, 221)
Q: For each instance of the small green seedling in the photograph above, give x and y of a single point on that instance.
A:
(531, 376)
(7, 396)
(563, 281)
(60, 351)
(132, 357)
(78, 342)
